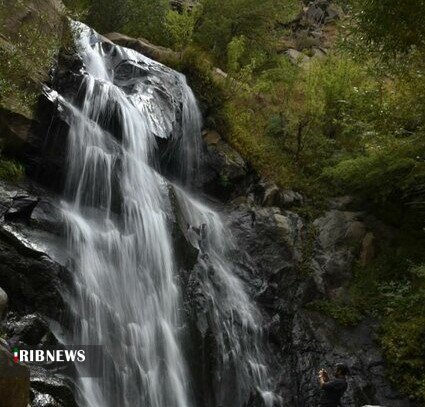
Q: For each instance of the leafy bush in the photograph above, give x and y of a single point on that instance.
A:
(381, 173)
(402, 333)
(180, 27)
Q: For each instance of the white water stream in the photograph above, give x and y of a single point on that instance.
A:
(117, 207)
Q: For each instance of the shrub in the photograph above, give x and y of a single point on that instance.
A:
(180, 27)
(11, 170)
(402, 333)
(381, 173)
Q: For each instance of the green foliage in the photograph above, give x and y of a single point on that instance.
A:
(381, 173)
(138, 18)
(403, 330)
(27, 56)
(386, 26)
(180, 27)
(222, 21)
(11, 170)
(392, 289)
(77, 8)
(147, 19)
(107, 15)
(291, 122)
(344, 314)
(403, 345)
(224, 181)
(208, 87)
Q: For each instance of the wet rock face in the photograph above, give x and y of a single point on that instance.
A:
(307, 341)
(269, 194)
(30, 279)
(318, 342)
(225, 171)
(339, 233)
(34, 284)
(50, 390)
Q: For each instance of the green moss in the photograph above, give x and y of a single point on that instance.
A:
(344, 314)
(224, 180)
(11, 170)
(308, 240)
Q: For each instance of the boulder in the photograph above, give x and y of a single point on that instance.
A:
(31, 330)
(225, 169)
(338, 235)
(297, 57)
(315, 13)
(48, 387)
(51, 11)
(290, 198)
(338, 229)
(269, 194)
(45, 231)
(321, 12)
(17, 130)
(333, 13)
(31, 279)
(341, 202)
(21, 209)
(42, 400)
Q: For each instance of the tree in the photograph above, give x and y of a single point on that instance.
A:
(107, 15)
(147, 19)
(223, 20)
(391, 26)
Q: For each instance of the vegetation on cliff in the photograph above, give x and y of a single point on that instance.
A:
(339, 113)
(351, 121)
(30, 39)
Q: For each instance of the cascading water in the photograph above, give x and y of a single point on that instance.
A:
(118, 209)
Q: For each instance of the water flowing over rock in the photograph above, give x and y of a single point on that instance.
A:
(175, 334)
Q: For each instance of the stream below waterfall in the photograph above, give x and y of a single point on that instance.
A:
(120, 208)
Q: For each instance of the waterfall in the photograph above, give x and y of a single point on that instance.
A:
(118, 212)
